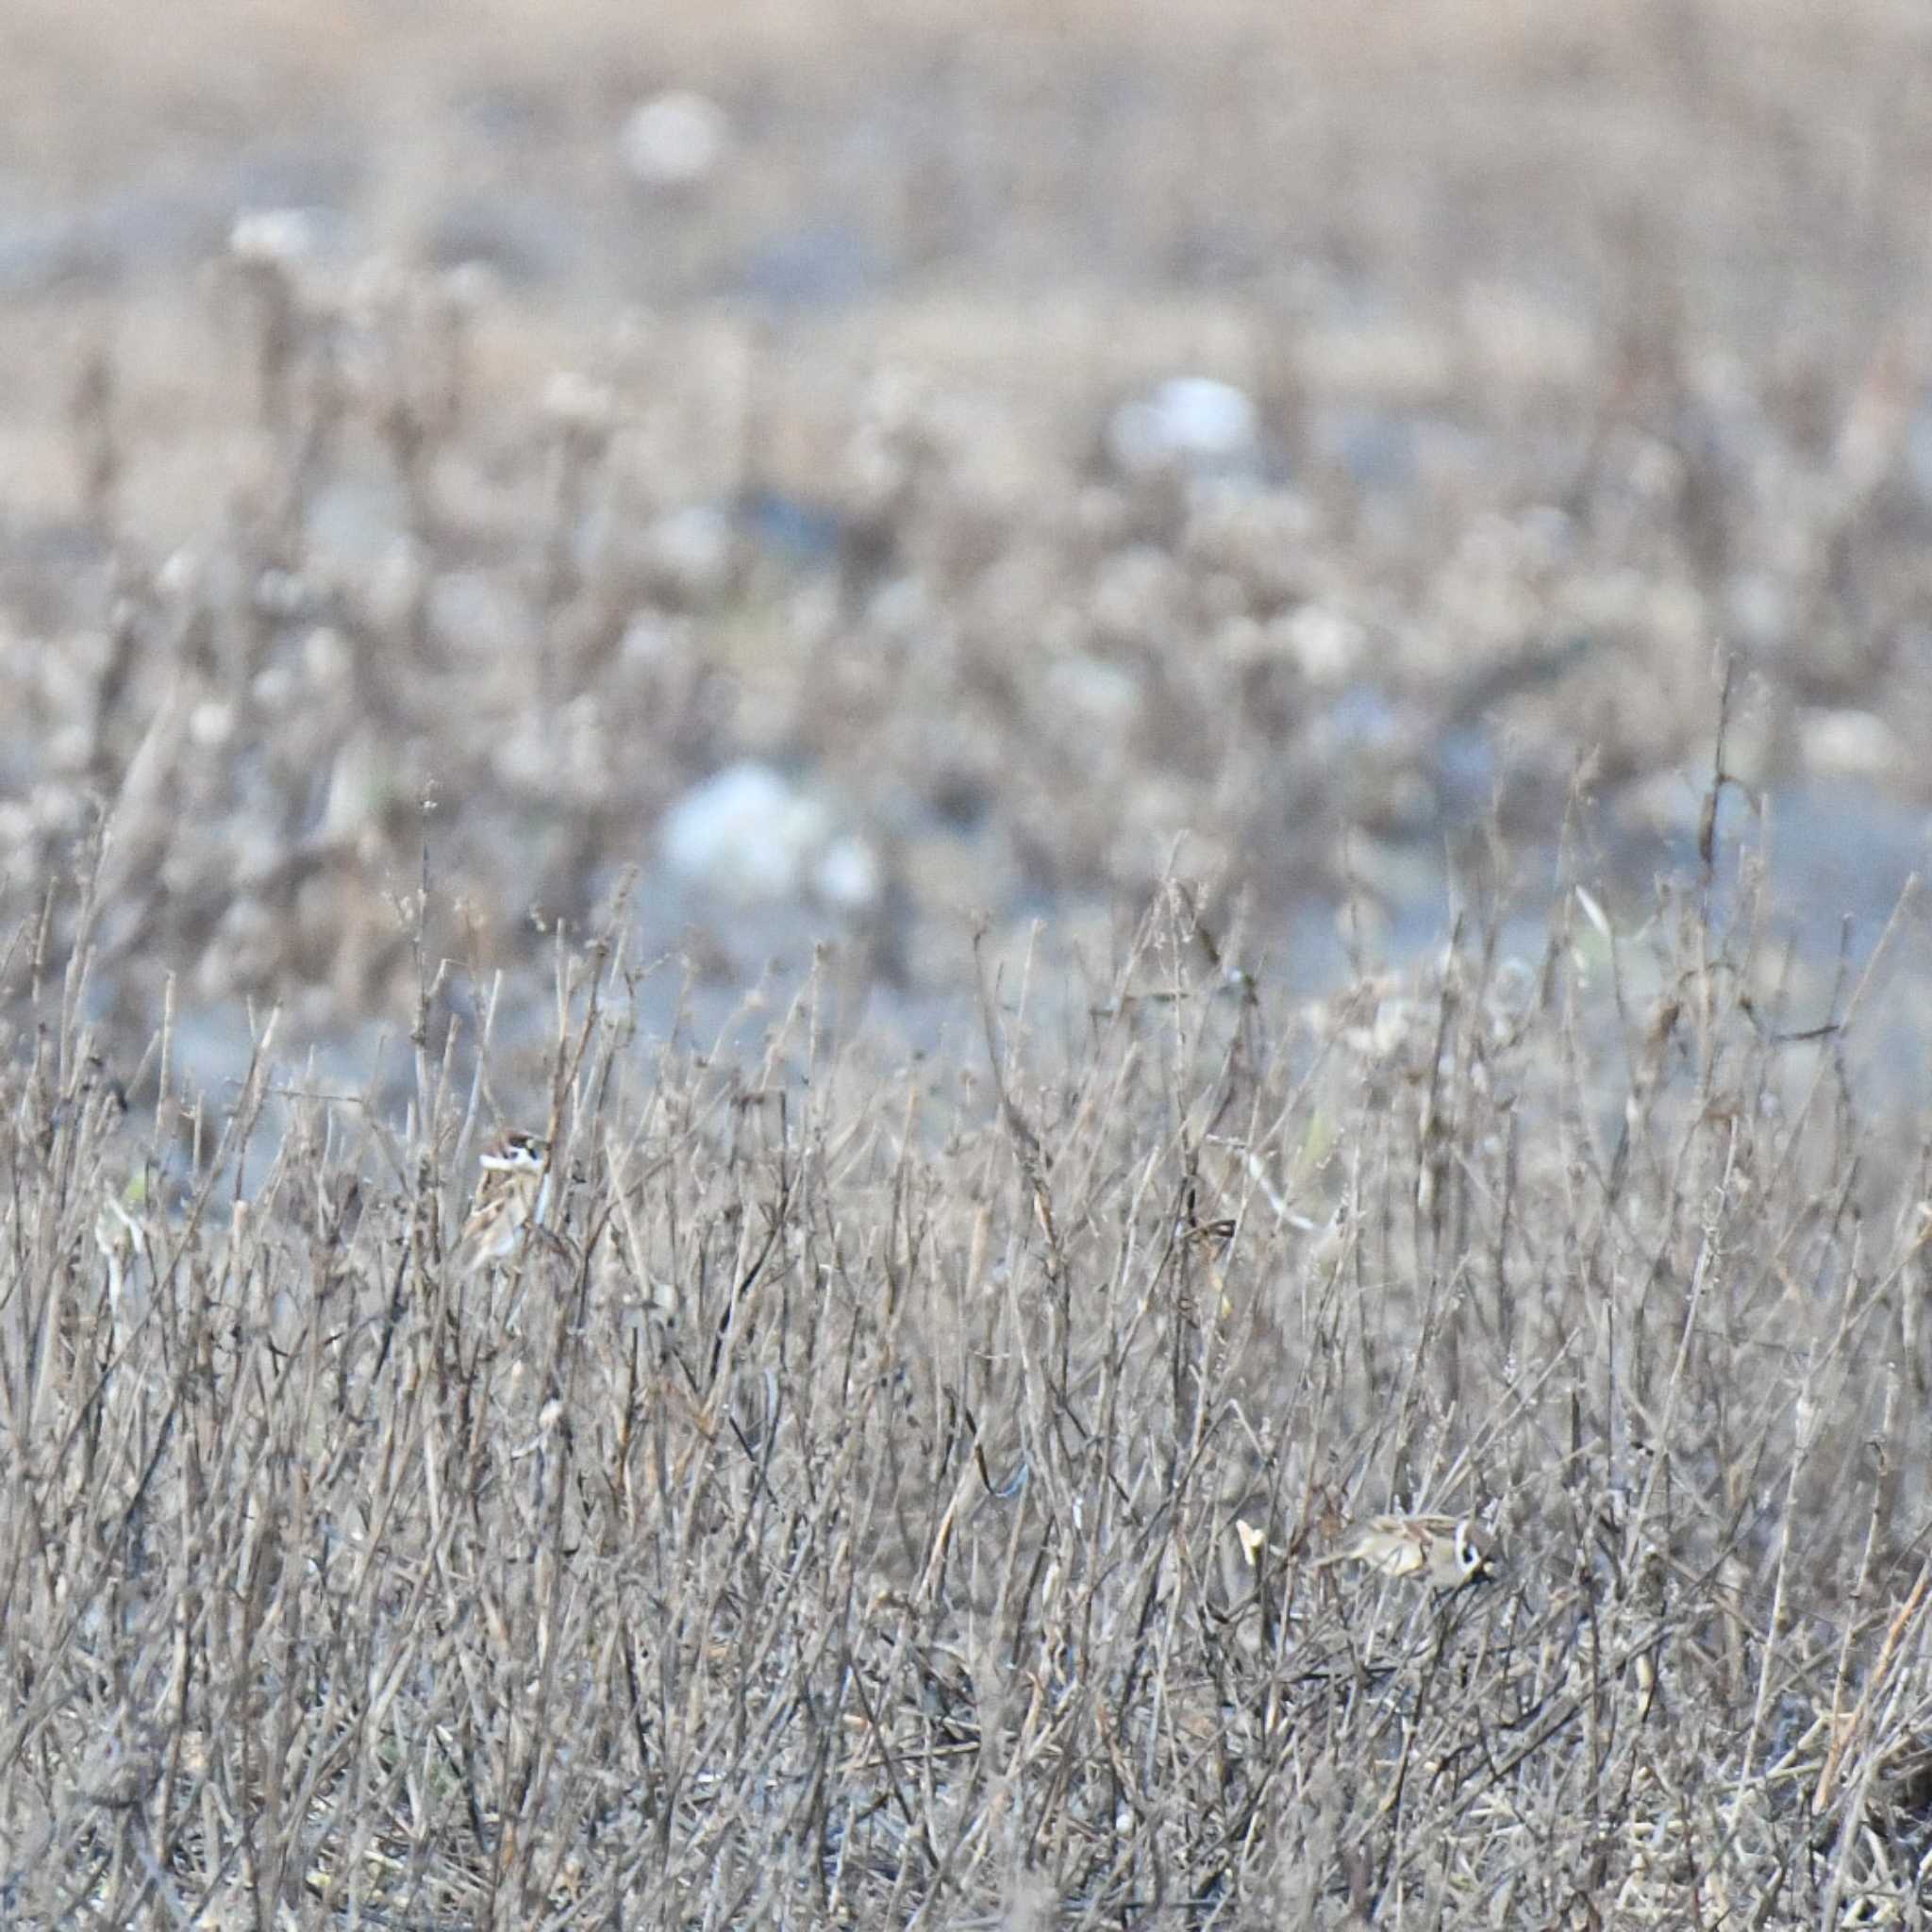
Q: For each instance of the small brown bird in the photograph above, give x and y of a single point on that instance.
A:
(513, 1192)
(1445, 1552)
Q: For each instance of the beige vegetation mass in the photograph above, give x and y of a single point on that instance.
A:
(1263, 991)
(911, 1496)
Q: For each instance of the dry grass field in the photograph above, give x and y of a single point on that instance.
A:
(839, 1516)
(1372, 968)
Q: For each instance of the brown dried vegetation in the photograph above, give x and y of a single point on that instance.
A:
(834, 1519)
(895, 1488)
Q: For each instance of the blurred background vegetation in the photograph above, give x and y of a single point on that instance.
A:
(856, 470)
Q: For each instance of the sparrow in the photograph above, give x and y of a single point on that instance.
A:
(513, 1192)
(1445, 1552)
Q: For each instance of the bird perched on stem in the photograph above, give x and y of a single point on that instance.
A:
(1445, 1552)
(513, 1192)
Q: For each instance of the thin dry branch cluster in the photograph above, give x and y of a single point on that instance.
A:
(899, 1485)
(879, 1500)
